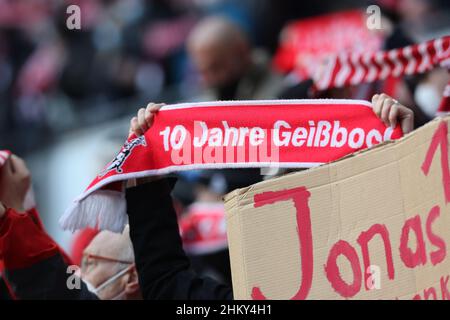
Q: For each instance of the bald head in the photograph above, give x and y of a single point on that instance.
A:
(112, 245)
(111, 253)
(216, 31)
(220, 50)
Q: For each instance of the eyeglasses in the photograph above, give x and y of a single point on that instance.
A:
(90, 260)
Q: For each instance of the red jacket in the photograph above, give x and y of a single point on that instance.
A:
(34, 266)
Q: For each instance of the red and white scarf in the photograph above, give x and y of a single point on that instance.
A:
(237, 134)
(355, 68)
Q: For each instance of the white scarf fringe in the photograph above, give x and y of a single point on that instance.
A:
(104, 209)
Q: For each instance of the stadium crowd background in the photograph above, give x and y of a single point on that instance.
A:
(66, 96)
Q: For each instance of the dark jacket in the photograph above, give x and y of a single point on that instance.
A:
(163, 267)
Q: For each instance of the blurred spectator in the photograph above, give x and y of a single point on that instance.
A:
(428, 93)
(32, 264)
(108, 267)
(54, 78)
(228, 67)
(203, 232)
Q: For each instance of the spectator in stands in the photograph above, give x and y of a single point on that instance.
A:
(228, 67)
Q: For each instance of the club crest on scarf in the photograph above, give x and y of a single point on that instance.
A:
(119, 160)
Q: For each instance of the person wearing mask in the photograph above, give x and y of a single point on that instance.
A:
(35, 267)
(107, 267)
(228, 67)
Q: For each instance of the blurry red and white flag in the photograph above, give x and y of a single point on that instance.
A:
(348, 69)
(354, 68)
(237, 134)
(304, 43)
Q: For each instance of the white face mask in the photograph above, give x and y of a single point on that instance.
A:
(105, 284)
(120, 296)
(90, 287)
(428, 99)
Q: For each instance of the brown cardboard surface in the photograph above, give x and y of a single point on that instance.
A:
(384, 189)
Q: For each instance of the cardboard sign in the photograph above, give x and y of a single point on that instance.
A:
(305, 43)
(374, 225)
